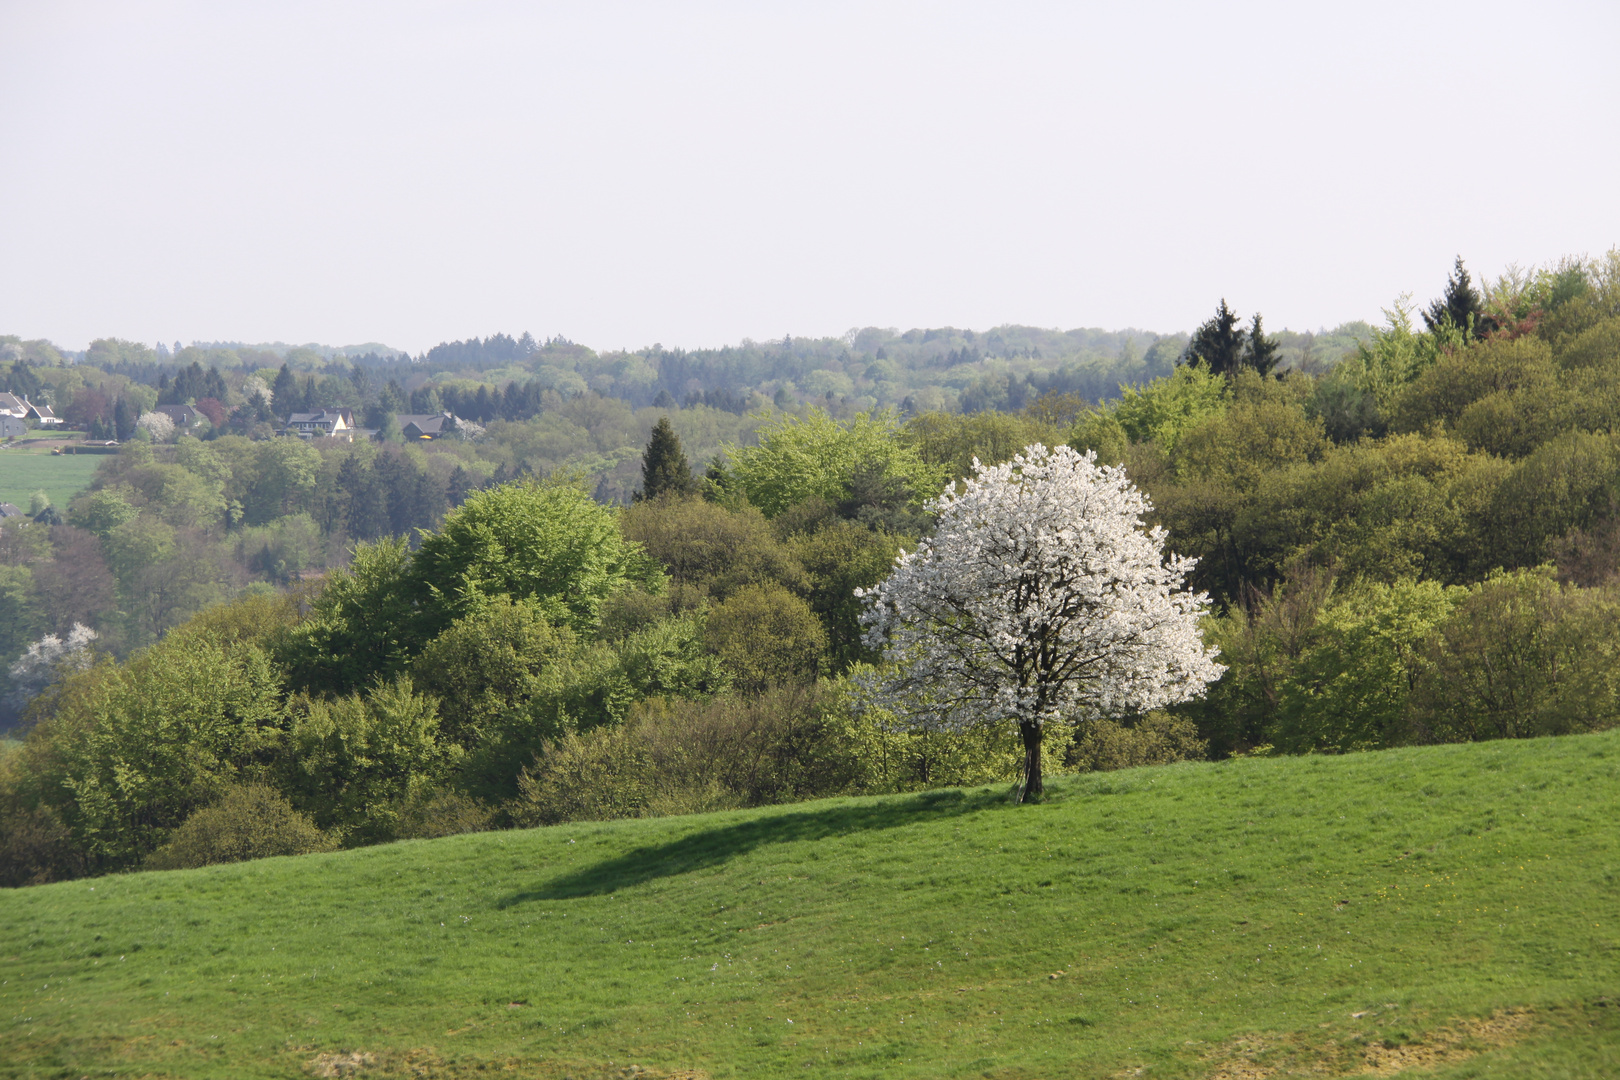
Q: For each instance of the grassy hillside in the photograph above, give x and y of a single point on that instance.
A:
(23, 472)
(1451, 907)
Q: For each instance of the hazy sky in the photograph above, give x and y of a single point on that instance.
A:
(696, 173)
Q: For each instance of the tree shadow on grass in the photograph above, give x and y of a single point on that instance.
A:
(712, 847)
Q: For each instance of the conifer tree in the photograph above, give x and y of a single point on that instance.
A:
(1219, 342)
(664, 468)
(1462, 303)
(1262, 352)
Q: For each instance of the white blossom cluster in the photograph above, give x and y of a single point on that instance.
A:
(1040, 598)
(50, 657)
(158, 425)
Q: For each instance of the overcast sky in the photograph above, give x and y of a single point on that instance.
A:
(696, 173)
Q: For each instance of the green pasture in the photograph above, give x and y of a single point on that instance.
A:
(23, 472)
(1454, 909)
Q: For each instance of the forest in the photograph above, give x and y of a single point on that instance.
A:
(624, 584)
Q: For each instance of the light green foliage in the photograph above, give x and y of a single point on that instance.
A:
(1521, 656)
(550, 543)
(668, 660)
(352, 762)
(487, 666)
(19, 615)
(1350, 688)
(764, 634)
(154, 740)
(710, 548)
(815, 456)
(1159, 412)
(952, 441)
(1397, 355)
(1503, 397)
(250, 821)
(101, 512)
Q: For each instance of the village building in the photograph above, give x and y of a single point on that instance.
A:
(322, 423)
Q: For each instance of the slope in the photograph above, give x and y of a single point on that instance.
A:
(1449, 907)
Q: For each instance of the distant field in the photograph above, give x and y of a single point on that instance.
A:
(24, 472)
(1454, 909)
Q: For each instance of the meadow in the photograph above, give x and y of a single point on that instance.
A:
(1446, 911)
(25, 471)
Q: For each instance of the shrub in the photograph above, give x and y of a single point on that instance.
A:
(251, 821)
(429, 815)
(677, 756)
(1157, 738)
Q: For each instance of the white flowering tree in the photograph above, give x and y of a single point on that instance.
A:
(1041, 599)
(157, 425)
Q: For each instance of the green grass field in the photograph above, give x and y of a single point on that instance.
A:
(23, 472)
(1452, 908)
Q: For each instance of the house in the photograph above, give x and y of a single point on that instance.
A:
(184, 416)
(19, 406)
(11, 427)
(425, 425)
(12, 510)
(42, 415)
(322, 423)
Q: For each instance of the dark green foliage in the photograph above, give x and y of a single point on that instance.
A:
(362, 626)
(249, 821)
(1461, 305)
(1219, 342)
(664, 468)
(1261, 354)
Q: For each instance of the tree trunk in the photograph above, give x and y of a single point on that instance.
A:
(1033, 787)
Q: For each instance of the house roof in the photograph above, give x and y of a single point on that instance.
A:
(322, 416)
(179, 412)
(11, 403)
(426, 423)
(41, 412)
(10, 510)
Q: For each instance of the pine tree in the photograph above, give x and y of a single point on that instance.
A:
(124, 417)
(1461, 304)
(1262, 351)
(1219, 343)
(285, 396)
(664, 468)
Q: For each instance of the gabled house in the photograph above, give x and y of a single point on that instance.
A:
(42, 415)
(323, 423)
(12, 405)
(11, 510)
(425, 425)
(184, 416)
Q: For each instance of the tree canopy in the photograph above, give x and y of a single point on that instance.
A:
(1039, 600)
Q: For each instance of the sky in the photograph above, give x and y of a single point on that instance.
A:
(693, 174)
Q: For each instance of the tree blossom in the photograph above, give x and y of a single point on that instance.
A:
(1041, 599)
(48, 659)
(158, 425)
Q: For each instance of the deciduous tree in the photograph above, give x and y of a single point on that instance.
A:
(1040, 600)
